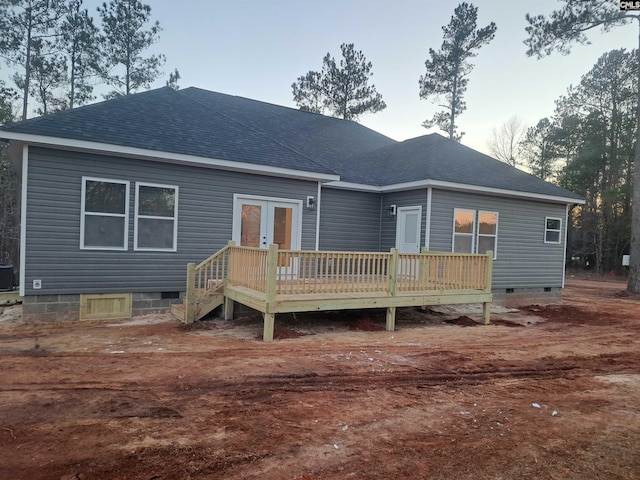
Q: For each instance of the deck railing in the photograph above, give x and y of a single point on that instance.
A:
(443, 271)
(291, 272)
(301, 272)
(309, 272)
(207, 277)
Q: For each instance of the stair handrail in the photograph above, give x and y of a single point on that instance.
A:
(208, 276)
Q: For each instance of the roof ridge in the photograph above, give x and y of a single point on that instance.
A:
(262, 134)
(297, 110)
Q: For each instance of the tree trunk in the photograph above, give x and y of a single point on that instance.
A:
(633, 284)
(27, 71)
(454, 99)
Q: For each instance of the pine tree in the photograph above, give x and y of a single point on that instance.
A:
(448, 69)
(124, 43)
(343, 89)
(79, 40)
(559, 32)
(25, 24)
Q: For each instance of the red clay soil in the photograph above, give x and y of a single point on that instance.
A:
(557, 398)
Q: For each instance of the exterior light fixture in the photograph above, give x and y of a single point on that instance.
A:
(311, 203)
(392, 210)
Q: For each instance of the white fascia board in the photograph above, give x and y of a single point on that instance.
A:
(358, 187)
(460, 187)
(167, 157)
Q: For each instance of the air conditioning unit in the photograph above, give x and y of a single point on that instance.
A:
(6, 278)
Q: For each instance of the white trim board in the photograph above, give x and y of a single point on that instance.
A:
(23, 221)
(161, 156)
(460, 187)
(333, 179)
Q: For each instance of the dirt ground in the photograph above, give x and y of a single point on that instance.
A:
(545, 392)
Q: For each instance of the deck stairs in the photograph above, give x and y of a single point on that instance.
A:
(207, 301)
(205, 287)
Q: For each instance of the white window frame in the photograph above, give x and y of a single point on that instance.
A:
(475, 236)
(559, 230)
(124, 216)
(495, 236)
(472, 234)
(174, 248)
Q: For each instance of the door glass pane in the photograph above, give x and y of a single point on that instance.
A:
(411, 228)
(282, 222)
(250, 227)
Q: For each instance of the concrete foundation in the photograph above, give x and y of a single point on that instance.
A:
(66, 308)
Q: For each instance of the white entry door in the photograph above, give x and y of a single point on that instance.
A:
(408, 229)
(408, 239)
(260, 221)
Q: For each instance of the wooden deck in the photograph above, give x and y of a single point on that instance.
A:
(280, 281)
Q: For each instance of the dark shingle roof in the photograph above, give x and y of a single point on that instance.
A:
(167, 121)
(434, 157)
(214, 125)
(325, 139)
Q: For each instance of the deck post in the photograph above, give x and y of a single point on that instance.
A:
(228, 303)
(486, 306)
(270, 292)
(393, 281)
(191, 301)
(228, 308)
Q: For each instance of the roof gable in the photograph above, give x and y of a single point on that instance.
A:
(436, 158)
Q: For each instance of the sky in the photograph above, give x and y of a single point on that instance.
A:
(258, 48)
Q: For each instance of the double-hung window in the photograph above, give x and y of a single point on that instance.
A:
(156, 217)
(474, 231)
(487, 232)
(552, 229)
(105, 213)
(464, 229)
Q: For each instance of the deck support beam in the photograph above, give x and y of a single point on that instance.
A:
(486, 313)
(486, 306)
(271, 291)
(269, 323)
(393, 281)
(191, 302)
(228, 308)
(391, 319)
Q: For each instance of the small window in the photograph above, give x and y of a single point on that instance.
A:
(487, 232)
(156, 217)
(463, 230)
(105, 213)
(552, 229)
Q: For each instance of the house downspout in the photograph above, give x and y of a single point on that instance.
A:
(318, 207)
(427, 227)
(566, 231)
(380, 222)
(23, 220)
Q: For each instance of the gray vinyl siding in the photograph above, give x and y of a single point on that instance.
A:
(349, 220)
(523, 259)
(410, 198)
(205, 212)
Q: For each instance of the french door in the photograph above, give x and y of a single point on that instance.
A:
(261, 221)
